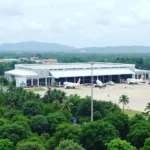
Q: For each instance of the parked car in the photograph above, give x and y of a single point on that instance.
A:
(110, 83)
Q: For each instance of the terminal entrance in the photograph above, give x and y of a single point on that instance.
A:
(39, 82)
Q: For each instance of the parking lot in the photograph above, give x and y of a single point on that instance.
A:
(139, 95)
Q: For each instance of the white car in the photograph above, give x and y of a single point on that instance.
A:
(110, 83)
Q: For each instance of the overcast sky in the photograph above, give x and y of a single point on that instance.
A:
(78, 23)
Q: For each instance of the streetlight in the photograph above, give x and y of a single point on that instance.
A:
(92, 91)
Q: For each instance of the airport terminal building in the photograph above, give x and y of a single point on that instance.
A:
(47, 74)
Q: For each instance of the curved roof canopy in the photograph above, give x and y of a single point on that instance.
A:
(84, 73)
(21, 72)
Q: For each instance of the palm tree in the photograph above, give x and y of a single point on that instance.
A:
(56, 104)
(66, 106)
(124, 100)
(147, 109)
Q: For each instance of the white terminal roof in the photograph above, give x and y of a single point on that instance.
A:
(70, 65)
(21, 72)
(142, 71)
(96, 72)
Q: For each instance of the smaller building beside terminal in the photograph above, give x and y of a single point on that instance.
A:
(47, 74)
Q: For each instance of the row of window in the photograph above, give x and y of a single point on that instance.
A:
(88, 68)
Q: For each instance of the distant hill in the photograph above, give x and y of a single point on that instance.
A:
(117, 49)
(34, 47)
(54, 47)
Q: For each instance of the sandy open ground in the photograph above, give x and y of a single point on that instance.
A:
(139, 95)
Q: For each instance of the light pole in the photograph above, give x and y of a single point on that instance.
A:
(91, 91)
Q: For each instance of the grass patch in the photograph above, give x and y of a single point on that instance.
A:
(131, 113)
(38, 89)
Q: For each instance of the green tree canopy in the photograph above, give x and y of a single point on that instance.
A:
(54, 119)
(137, 118)
(6, 144)
(10, 113)
(13, 99)
(30, 146)
(34, 138)
(120, 121)
(15, 132)
(67, 131)
(3, 121)
(97, 116)
(52, 95)
(31, 108)
(138, 133)
(75, 100)
(84, 108)
(69, 145)
(118, 144)
(48, 108)
(95, 135)
(39, 124)
(146, 144)
(20, 118)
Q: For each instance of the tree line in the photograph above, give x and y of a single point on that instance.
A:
(142, 61)
(29, 122)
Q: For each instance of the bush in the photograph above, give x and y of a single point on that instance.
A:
(69, 145)
(31, 108)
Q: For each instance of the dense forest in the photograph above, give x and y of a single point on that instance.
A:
(62, 122)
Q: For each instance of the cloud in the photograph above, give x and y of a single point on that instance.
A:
(10, 8)
(105, 5)
(103, 21)
(126, 21)
(75, 22)
(141, 12)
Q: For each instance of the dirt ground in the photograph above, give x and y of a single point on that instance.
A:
(139, 95)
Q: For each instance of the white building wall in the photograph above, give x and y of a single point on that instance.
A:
(21, 81)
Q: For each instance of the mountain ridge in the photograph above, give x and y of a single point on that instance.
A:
(118, 49)
(34, 46)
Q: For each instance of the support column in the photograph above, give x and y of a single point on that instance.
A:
(119, 78)
(52, 81)
(59, 84)
(38, 82)
(133, 76)
(74, 79)
(49, 83)
(32, 82)
(45, 81)
(83, 80)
